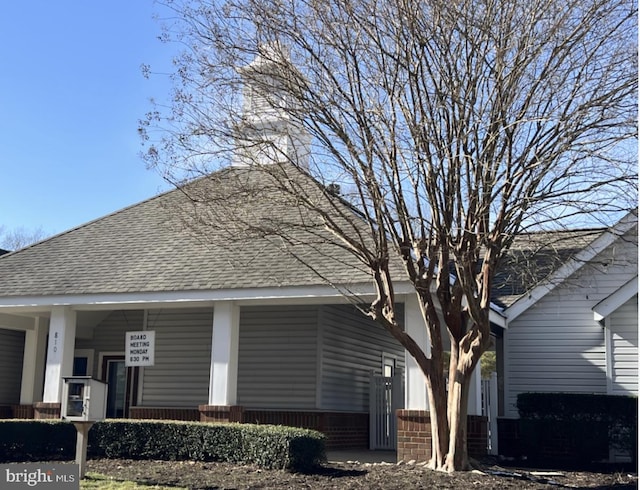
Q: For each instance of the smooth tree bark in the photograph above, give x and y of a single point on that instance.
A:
(436, 132)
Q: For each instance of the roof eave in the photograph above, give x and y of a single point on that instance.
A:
(572, 266)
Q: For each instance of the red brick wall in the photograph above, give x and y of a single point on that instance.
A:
(221, 413)
(343, 430)
(22, 411)
(414, 435)
(150, 413)
(346, 430)
(43, 410)
(477, 435)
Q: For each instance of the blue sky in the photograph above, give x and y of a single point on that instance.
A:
(71, 95)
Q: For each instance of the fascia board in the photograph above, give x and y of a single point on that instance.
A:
(89, 301)
(615, 300)
(572, 266)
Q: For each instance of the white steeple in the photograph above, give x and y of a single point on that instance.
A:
(268, 133)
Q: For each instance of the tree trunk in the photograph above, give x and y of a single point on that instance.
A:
(457, 457)
(439, 423)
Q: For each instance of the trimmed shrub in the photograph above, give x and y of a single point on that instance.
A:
(36, 440)
(576, 428)
(267, 446)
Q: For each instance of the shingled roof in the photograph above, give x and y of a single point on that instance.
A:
(148, 247)
(187, 240)
(533, 257)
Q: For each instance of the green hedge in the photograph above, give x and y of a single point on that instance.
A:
(36, 440)
(264, 445)
(577, 428)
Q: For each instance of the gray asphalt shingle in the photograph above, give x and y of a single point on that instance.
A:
(148, 248)
(228, 239)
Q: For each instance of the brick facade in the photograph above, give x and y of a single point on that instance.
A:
(221, 413)
(22, 411)
(414, 435)
(150, 413)
(343, 430)
(42, 410)
(477, 435)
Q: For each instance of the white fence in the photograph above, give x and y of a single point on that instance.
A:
(490, 410)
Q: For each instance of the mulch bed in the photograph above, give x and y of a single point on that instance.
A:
(198, 475)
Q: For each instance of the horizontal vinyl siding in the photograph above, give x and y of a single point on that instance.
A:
(109, 335)
(11, 355)
(556, 345)
(552, 350)
(352, 348)
(624, 346)
(277, 361)
(180, 376)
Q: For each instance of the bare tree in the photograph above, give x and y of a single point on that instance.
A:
(20, 237)
(451, 126)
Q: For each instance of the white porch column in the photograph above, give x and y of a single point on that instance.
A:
(223, 380)
(35, 345)
(62, 339)
(474, 406)
(415, 392)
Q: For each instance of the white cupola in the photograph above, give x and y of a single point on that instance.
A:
(268, 131)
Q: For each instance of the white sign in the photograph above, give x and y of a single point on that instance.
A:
(140, 348)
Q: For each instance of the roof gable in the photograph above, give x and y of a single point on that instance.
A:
(571, 266)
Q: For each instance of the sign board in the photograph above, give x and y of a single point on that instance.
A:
(140, 348)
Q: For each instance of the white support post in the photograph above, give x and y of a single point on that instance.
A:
(62, 339)
(223, 381)
(415, 385)
(35, 345)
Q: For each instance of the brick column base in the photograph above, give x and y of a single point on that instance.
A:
(221, 413)
(42, 410)
(477, 435)
(414, 435)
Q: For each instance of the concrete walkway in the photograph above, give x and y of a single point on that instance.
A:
(361, 456)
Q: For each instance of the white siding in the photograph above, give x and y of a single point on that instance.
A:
(180, 376)
(11, 354)
(624, 348)
(277, 361)
(556, 345)
(352, 348)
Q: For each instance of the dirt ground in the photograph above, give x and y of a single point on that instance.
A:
(339, 476)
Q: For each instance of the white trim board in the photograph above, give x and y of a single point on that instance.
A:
(573, 265)
(614, 301)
